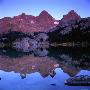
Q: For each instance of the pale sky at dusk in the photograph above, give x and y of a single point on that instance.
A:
(57, 8)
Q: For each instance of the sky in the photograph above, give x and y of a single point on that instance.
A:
(57, 8)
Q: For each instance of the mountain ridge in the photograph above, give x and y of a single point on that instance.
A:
(29, 23)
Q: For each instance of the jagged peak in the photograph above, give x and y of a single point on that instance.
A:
(43, 12)
(22, 14)
(72, 12)
(71, 15)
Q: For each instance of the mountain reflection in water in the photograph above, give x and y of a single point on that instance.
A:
(45, 68)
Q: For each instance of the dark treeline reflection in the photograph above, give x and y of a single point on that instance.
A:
(73, 54)
(73, 60)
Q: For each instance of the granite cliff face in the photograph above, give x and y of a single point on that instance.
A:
(69, 18)
(28, 23)
(72, 15)
(71, 28)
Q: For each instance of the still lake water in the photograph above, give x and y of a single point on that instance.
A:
(45, 69)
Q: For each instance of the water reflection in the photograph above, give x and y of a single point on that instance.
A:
(68, 59)
(41, 65)
(71, 60)
(28, 64)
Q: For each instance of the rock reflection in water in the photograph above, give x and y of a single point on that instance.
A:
(28, 64)
(71, 60)
(46, 65)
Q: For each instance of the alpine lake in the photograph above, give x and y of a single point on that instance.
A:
(43, 68)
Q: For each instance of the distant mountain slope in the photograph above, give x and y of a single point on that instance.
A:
(77, 30)
(28, 23)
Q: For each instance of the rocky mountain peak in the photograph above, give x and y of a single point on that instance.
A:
(23, 14)
(72, 12)
(28, 23)
(72, 15)
(45, 14)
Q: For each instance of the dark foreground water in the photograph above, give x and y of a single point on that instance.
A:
(43, 69)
